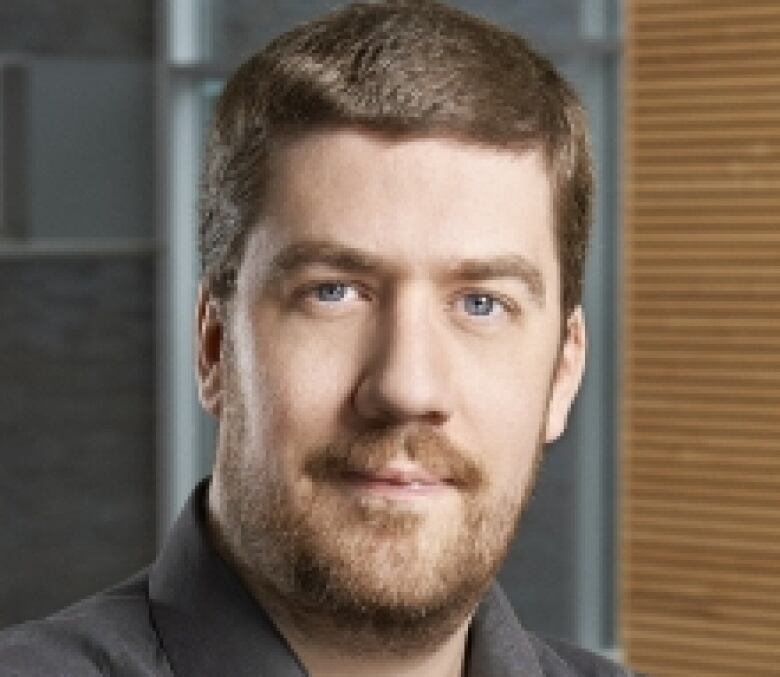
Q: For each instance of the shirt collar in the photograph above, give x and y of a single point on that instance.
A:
(498, 644)
(209, 624)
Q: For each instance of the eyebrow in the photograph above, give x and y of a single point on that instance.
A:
(299, 255)
(504, 266)
(349, 259)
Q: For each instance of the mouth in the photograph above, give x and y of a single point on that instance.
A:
(397, 482)
(416, 465)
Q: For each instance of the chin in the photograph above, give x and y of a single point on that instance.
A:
(391, 576)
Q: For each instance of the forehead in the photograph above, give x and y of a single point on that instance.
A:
(412, 200)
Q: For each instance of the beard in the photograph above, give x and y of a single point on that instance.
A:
(378, 572)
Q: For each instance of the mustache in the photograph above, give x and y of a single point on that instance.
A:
(372, 452)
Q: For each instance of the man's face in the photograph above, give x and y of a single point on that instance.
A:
(387, 374)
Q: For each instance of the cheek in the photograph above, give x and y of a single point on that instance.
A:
(505, 407)
(306, 380)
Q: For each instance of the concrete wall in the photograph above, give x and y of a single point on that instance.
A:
(77, 374)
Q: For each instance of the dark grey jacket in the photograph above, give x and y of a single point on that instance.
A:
(189, 615)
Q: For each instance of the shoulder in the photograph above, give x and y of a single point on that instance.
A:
(559, 658)
(109, 633)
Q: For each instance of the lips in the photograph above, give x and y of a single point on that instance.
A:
(395, 485)
(411, 478)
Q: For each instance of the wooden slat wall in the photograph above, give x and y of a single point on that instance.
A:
(700, 581)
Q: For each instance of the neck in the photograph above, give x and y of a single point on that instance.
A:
(327, 657)
(329, 648)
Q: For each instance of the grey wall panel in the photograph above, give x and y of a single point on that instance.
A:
(13, 148)
(85, 28)
(77, 485)
(90, 152)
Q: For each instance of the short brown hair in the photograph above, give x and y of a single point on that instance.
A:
(405, 68)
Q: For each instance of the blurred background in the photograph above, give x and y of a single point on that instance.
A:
(653, 533)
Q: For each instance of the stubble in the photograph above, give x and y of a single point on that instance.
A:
(370, 571)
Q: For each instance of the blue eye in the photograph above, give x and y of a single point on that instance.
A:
(481, 305)
(330, 292)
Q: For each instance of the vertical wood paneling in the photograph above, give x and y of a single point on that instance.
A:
(700, 581)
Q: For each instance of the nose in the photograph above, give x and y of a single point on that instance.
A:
(406, 378)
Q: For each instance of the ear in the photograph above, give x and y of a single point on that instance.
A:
(568, 375)
(209, 351)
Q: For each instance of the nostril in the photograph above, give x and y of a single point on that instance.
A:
(381, 407)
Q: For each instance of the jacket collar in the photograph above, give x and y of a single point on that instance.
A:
(209, 624)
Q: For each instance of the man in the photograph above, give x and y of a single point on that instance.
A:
(394, 216)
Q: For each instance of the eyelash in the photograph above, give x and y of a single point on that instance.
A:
(310, 290)
(509, 305)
